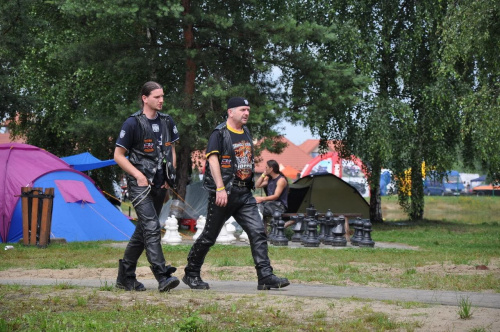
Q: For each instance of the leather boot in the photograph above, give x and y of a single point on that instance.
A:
(128, 282)
(194, 281)
(165, 280)
(272, 281)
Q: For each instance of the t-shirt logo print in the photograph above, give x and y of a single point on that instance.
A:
(243, 153)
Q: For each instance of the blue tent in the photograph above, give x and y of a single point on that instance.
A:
(80, 211)
(86, 162)
(385, 181)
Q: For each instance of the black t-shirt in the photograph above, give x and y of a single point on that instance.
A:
(131, 132)
(242, 149)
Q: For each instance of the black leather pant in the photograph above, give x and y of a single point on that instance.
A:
(267, 209)
(243, 207)
(147, 234)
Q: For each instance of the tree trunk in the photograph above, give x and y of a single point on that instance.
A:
(184, 151)
(417, 192)
(183, 167)
(151, 60)
(375, 205)
(189, 82)
(375, 200)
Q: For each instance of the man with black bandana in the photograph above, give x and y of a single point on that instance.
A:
(229, 178)
(148, 136)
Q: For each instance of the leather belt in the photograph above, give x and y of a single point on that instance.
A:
(238, 183)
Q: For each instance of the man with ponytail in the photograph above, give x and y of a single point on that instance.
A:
(148, 137)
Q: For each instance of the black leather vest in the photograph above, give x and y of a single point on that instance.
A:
(145, 154)
(228, 173)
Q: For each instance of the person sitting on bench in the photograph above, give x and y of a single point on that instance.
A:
(276, 185)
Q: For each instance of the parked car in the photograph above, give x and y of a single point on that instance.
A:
(450, 184)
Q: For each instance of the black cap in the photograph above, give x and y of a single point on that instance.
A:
(237, 102)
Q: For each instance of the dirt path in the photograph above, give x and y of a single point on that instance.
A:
(429, 317)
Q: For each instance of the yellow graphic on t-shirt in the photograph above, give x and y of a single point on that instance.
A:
(243, 153)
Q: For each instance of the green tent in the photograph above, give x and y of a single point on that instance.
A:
(326, 191)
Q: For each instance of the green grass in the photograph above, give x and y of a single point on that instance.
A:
(464, 308)
(440, 245)
(463, 209)
(446, 253)
(45, 309)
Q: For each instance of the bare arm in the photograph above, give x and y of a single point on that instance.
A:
(280, 186)
(174, 156)
(127, 166)
(262, 181)
(220, 195)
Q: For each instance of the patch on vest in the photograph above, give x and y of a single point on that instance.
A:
(226, 162)
(148, 145)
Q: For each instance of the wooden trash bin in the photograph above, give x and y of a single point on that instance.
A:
(37, 215)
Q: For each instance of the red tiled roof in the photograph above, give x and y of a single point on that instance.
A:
(311, 145)
(292, 156)
(198, 159)
(5, 138)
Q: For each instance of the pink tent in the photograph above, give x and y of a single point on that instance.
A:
(20, 165)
